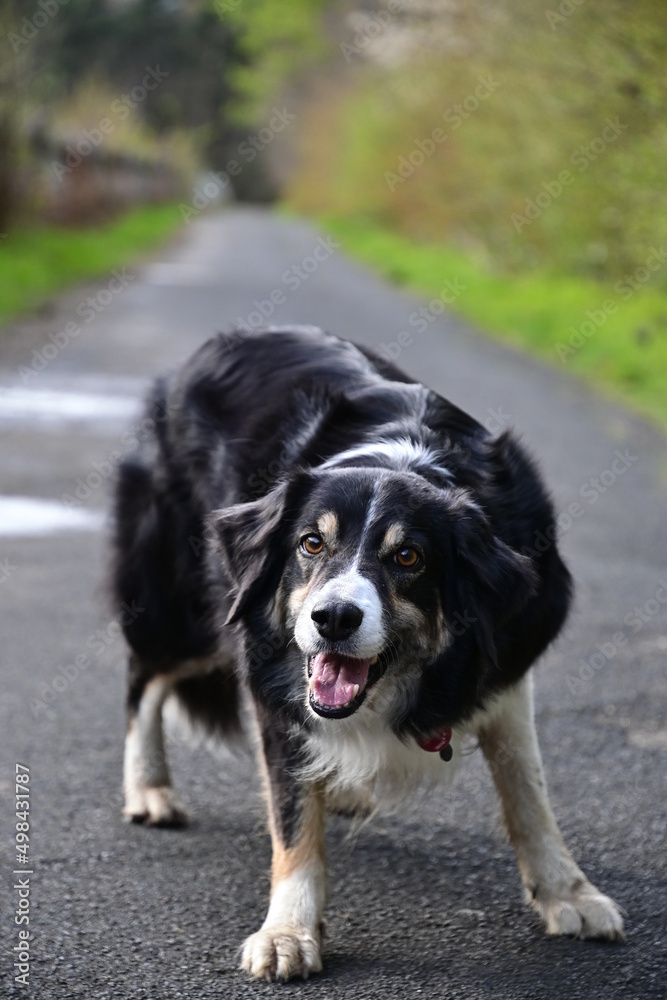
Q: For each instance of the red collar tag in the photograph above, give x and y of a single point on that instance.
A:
(437, 743)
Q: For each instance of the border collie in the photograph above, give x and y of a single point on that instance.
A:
(306, 526)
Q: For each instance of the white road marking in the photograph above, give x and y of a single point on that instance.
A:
(31, 516)
(53, 406)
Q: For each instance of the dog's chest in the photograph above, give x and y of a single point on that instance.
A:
(363, 756)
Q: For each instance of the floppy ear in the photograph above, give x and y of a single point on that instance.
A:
(492, 581)
(251, 539)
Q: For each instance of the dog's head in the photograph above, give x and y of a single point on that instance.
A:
(371, 576)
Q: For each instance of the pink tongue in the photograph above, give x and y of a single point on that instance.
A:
(334, 677)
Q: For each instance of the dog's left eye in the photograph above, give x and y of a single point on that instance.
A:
(312, 545)
(407, 558)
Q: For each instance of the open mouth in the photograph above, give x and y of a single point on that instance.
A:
(339, 684)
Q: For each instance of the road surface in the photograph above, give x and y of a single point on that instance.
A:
(426, 904)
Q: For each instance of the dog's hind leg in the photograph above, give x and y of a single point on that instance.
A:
(149, 795)
(555, 886)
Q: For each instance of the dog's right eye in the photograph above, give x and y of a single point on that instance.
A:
(312, 545)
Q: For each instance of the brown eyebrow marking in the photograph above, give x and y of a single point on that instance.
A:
(327, 524)
(393, 539)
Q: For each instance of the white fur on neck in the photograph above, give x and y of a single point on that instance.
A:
(362, 754)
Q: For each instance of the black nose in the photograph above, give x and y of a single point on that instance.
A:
(338, 620)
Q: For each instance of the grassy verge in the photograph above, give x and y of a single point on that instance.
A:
(613, 336)
(37, 262)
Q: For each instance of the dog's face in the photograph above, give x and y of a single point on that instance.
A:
(362, 588)
(372, 575)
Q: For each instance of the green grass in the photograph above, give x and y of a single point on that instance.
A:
(613, 336)
(38, 262)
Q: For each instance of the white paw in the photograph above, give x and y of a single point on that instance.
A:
(583, 913)
(281, 952)
(155, 806)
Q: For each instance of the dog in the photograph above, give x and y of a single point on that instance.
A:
(306, 528)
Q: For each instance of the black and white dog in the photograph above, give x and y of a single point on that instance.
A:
(306, 524)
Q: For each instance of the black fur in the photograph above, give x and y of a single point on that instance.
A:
(305, 525)
(243, 430)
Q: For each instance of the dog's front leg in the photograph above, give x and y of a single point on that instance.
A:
(555, 885)
(288, 943)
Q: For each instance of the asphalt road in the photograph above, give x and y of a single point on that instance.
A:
(427, 904)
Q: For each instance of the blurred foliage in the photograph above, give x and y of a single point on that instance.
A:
(116, 42)
(557, 83)
(614, 336)
(91, 101)
(517, 145)
(64, 64)
(18, 59)
(37, 262)
(276, 42)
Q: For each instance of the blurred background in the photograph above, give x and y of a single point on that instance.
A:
(169, 168)
(519, 144)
